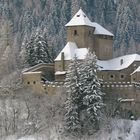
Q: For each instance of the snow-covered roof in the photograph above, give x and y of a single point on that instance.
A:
(99, 30)
(60, 72)
(137, 70)
(37, 67)
(126, 100)
(80, 18)
(35, 72)
(118, 63)
(71, 50)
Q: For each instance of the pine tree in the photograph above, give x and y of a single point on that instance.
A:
(74, 7)
(84, 103)
(37, 50)
(72, 84)
(92, 95)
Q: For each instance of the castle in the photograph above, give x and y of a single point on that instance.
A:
(120, 76)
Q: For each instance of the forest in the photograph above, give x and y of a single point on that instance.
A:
(22, 114)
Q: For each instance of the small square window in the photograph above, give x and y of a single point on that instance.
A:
(28, 83)
(134, 79)
(122, 76)
(34, 82)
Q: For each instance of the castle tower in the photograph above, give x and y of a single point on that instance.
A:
(87, 34)
(80, 30)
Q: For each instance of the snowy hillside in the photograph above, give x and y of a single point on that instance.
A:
(19, 19)
(120, 130)
(25, 116)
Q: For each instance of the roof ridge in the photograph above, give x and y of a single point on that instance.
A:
(81, 17)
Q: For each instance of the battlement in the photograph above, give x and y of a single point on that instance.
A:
(116, 84)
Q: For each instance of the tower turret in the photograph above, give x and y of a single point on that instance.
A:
(87, 34)
(80, 30)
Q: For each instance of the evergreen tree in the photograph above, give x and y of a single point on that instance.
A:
(92, 95)
(72, 84)
(84, 103)
(74, 7)
(37, 50)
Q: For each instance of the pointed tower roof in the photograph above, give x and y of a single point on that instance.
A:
(80, 18)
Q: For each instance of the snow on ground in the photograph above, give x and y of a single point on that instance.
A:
(135, 131)
(121, 130)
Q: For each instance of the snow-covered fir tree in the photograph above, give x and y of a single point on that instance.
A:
(84, 103)
(37, 50)
(92, 94)
(73, 101)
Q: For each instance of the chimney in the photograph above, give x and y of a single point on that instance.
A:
(62, 61)
(121, 61)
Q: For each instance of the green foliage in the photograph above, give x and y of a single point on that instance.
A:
(73, 101)
(37, 50)
(18, 3)
(84, 103)
(92, 95)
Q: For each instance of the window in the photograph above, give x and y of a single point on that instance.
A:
(75, 32)
(122, 76)
(34, 82)
(89, 33)
(112, 77)
(28, 83)
(102, 76)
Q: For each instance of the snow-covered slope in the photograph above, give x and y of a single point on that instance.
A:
(120, 130)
